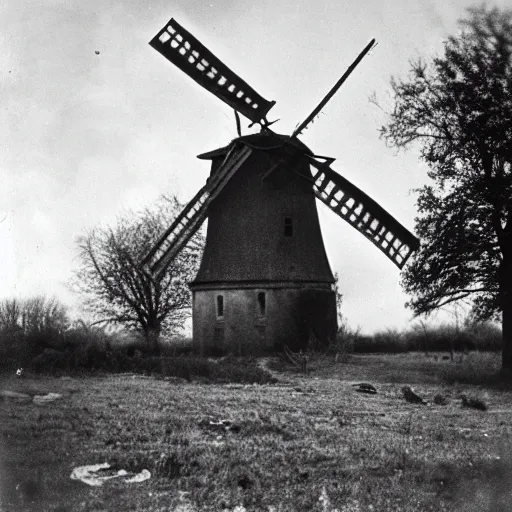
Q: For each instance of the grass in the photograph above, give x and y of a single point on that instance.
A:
(304, 443)
(412, 367)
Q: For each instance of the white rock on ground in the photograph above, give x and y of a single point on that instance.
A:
(15, 395)
(87, 475)
(44, 399)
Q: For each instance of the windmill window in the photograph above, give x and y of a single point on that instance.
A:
(193, 57)
(262, 306)
(255, 105)
(329, 188)
(220, 306)
(164, 37)
(288, 226)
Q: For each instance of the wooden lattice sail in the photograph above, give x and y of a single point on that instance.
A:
(193, 58)
(191, 217)
(363, 213)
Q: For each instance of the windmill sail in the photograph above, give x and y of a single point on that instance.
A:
(333, 91)
(363, 213)
(192, 216)
(193, 58)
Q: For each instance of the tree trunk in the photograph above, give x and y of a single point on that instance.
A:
(506, 305)
(152, 339)
(507, 338)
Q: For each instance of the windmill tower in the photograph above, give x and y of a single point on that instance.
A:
(264, 279)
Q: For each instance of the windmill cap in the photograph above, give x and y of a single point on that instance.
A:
(264, 141)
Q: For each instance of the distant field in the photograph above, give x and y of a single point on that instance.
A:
(305, 443)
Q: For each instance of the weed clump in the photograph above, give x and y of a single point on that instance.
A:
(473, 403)
(440, 400)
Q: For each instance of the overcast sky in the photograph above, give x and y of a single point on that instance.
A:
(84, 135)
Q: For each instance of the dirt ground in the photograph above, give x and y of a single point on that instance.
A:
(306, 443)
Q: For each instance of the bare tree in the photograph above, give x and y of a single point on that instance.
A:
(10, 315)
(44, 315)
(114, 287)
(28, 326)
(35, 315)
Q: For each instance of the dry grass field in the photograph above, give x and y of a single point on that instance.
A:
(305, 443)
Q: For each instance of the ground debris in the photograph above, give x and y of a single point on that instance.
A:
(365, 387)
(96, 474)
(412, 397)
(473, 403)
(304, 391)
(221, 425)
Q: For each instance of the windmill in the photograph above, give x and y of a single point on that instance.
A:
(264, 281)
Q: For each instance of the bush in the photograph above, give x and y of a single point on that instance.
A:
(486, 336)
(92, 358)
(389, 341)
(346, 340)
(176, 347)
(229, 369)
(185, 367)
(483, 336)
(50, 360)
(14, 351)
